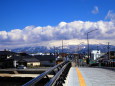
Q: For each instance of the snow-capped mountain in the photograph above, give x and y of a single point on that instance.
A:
(67, 49)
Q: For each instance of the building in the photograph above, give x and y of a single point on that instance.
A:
(46, 60)
(10, 59)
(59, 59)
(95, 54)
(15, 61)
(29, 62)
(112, 54)
(5, 55)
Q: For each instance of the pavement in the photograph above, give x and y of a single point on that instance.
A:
(72, 79)
(87, 76)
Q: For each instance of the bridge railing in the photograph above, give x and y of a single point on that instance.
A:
(59, 78)
(59, 71)
(107, 64)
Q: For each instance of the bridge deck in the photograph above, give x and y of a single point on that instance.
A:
(86, 76)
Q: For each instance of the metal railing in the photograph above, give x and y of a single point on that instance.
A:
(59, 71)
(59, 78)
(107, 64)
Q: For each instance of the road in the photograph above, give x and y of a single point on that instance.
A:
(98, 76)
(86, 76)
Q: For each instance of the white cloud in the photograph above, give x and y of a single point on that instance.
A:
(110, 16)
(76, 29)
(95, 10)
(32, 35)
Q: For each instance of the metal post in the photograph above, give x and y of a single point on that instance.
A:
(88, 45)
(62, 46)
(88, 50)
(108, 51)
(54, 51)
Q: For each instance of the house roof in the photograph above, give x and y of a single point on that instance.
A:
(23, 54)
(24, 58)
(33, 59)
(45, 57)
(7, 53)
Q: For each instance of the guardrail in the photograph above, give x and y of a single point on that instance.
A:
(108, 64)
(59, 71)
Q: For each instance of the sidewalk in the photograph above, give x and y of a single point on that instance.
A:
(72, 78)
(88, 76)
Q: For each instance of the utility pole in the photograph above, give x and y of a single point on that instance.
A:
(88, 45)
(97, 48)
(54, 51)
(62, 46)
(108, 50)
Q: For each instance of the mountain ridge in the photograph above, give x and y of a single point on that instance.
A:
(66, 49)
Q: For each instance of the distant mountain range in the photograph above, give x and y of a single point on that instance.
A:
(67, 49)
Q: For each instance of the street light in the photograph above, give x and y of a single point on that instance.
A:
(88, 40)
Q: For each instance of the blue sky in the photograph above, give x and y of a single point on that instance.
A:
(17, 14)
(47, 22)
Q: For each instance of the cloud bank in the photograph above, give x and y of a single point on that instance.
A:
(31, 35)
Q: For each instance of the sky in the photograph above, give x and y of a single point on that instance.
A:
(42, 22)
